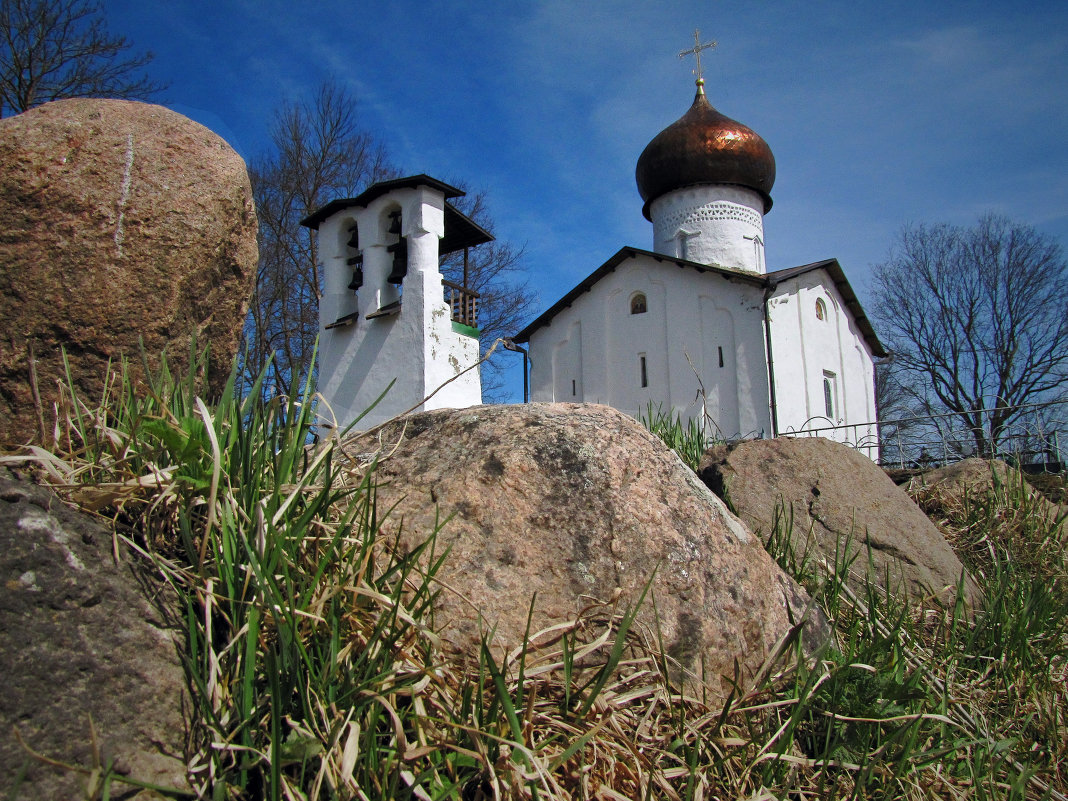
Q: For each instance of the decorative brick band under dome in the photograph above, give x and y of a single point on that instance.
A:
(704, 147)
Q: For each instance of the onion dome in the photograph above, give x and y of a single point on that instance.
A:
(704, 147)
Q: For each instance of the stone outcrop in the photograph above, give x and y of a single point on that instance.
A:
(79, 640)
(119, 222)
(835, 492)
(976, 477)
(973, 475)
(574, 502)
(967, 475)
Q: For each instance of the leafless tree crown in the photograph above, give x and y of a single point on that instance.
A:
(318, 152)
(55, 49)
(977, 320)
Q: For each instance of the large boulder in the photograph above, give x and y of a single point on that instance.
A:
(836, 495)
(120, 222)
(79, 641)
(975, 476)
(571, 503)
(947, 487)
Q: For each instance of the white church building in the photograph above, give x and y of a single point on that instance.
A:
(698, 326)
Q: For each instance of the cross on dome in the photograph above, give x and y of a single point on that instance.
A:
(696, 51)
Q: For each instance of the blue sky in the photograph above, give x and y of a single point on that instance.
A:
(877, 113)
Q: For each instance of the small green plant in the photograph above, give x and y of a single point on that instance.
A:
(688, 439)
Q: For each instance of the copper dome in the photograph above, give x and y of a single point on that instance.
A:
(704, 147)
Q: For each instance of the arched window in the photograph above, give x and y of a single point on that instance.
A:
(638, 304)
(821, 309)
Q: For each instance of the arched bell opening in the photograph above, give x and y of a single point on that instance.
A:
(350, 235)
(397, 246)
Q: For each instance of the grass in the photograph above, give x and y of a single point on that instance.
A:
(1052, 486)
(688, 439)
(316, 672)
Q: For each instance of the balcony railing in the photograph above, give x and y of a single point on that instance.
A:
(463, 302)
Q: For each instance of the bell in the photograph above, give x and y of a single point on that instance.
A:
(400, 267)
(395, 222)
(357, 279)
(354, 240)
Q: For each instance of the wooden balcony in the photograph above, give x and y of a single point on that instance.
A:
(463, 302)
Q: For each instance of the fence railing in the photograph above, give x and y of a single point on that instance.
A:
(1034, 436)
(463, 302)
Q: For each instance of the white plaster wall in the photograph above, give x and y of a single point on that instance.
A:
(566, 362)
(803, 347)
(690, 315)
(446, 352)
(336, 301)
(416, 349)
(721, 383)
(711, 224)
(629, 336)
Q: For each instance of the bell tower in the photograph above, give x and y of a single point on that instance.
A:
(387, 316)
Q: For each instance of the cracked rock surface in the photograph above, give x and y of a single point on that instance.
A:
(576, 502)
(78, 639)
(833, 492)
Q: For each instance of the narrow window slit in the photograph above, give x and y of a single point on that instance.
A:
(830, 393)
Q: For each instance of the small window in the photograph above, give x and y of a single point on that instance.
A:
(643, 370)
(821, 309)
(638, 304)
(830, 393)
(720, 355)
(574, 388)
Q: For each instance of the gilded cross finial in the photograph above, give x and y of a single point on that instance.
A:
(696, 51)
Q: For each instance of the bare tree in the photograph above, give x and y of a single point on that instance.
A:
(54, 49)
(893, 405)
(977, 320)
(907, 432)
(319, 152)
(892, 400)
(495, 270)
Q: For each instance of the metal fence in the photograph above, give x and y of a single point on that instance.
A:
(1033, 437)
